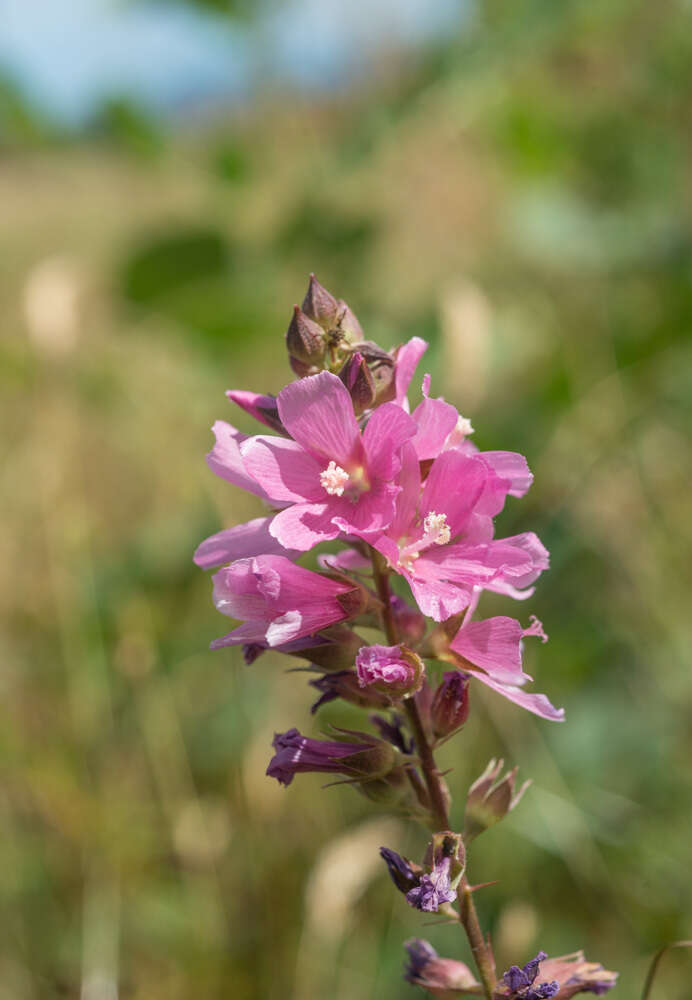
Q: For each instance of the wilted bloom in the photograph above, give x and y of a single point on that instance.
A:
(489, 799)
(295, 754)
(404, 875)
(334, 479)
(279, 600)
(434, 889)
(521, 983)
(446, 861)
(450, 705)
(445, 978)
(345, 684)
(575, 975)
(393, 670)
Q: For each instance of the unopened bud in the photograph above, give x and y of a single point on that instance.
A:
(410, 623)
(382, 369)
(489, 799)
(357, 378)
(305, 340)
(450, 706)
(347, 323)
(320, 305)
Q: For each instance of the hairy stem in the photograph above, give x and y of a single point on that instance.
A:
(438, 798)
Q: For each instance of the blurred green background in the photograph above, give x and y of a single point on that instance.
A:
(514, 187)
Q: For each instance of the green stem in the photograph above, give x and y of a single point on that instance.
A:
(468, 916)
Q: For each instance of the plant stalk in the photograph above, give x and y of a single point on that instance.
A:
(468, 916)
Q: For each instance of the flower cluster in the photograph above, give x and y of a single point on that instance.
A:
(342, 457)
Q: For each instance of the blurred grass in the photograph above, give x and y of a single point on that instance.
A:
(521, 198)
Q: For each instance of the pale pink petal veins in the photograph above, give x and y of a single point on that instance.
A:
(226, 461)
(453, 487)
(304, 525)
(318, 413)
(494, 645)
(240, 542)
(387, 430)
(283, 468)
(511, 467)
(435, 420)
(437, 598)
(407, 500)
(532, 702)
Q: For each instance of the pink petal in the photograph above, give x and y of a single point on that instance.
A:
(438, 599)
(510, 467)
(453, 486)
(304, 525)
(532, 702)
(226, 461)
(435, 420)
(243, 541)
(407, 359)
(349, 560)
(407, 501)
(387, 430)
(250, 632)
(494, 645)
(318, 413)
(370, 515)
(283, 468)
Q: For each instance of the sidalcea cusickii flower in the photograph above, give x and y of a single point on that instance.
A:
(405, 499)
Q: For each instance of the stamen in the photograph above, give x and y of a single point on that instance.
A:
(464, 427)
(334, 479)
(436, 529)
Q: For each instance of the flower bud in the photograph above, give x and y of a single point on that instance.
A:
(344, 684)
(357, 755)
(305, 340)
(393, 670)
(410, 623)
(320, 305)
(357, 378)
(347, 324)
(450, 706)
(489, 800)
(445, 978)
(382, 369)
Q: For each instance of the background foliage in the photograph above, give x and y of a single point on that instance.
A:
(520, 196)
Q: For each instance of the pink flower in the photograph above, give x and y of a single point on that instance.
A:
(492, 649)
(391, 669)
(279, 601)
(334, 478)
(441, 544)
